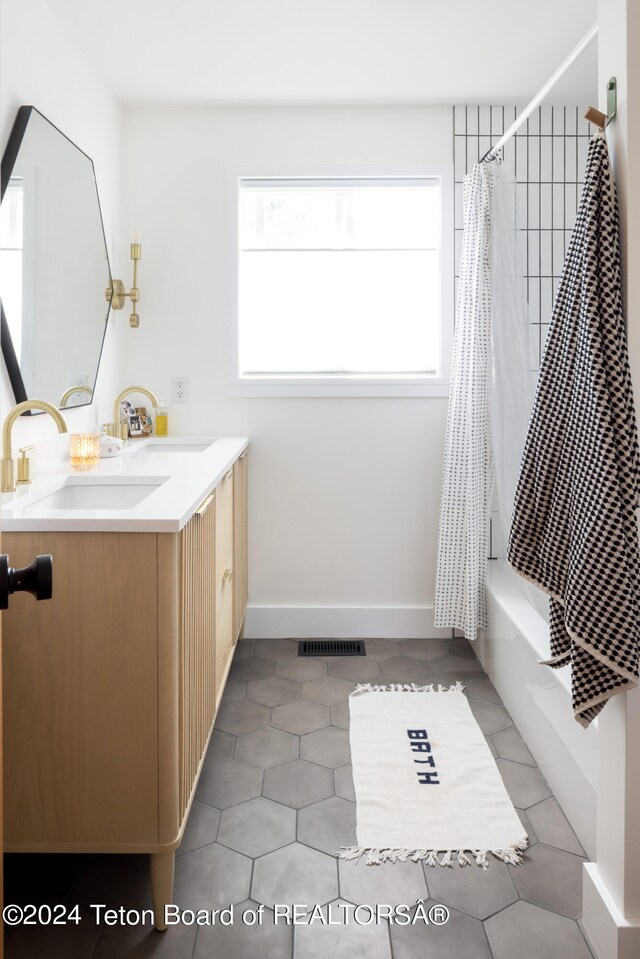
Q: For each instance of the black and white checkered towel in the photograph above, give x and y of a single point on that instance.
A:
(574, 531)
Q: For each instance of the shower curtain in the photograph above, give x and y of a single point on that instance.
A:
(491, 398)
(467, 474)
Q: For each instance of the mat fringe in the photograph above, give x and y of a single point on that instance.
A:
(375, 857)
(409, 688)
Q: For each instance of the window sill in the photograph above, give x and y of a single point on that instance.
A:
(358, 387)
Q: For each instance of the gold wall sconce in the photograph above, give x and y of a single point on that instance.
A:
(117, 292)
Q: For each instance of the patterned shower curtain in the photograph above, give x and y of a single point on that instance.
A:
(467, 475)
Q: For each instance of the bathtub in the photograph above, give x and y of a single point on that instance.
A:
(539, 698)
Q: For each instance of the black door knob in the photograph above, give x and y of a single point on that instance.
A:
(36, 579)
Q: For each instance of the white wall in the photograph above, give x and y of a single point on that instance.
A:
(611, 889)
(41, 65)
(344, 492)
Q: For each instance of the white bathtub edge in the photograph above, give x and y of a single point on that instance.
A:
(539, 699)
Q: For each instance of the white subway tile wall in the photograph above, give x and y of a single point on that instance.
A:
(548, 155)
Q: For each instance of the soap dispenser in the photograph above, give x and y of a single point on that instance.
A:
(162, 418)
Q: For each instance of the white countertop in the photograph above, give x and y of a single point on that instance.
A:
(185, 479)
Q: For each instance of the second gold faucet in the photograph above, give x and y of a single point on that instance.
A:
(120, 427)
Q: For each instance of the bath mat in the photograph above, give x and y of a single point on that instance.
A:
(426, 784)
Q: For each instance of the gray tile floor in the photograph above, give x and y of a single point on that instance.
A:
(274, 803)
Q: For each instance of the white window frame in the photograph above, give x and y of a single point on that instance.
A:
(357, 385)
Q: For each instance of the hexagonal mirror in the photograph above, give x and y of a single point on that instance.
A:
(54, 266)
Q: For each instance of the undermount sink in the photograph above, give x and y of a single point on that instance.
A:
(83, 492)
(158, 447)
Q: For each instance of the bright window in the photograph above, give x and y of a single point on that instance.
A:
(11, 251)
(339, 278)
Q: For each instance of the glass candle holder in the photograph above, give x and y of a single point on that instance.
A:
(84, 450)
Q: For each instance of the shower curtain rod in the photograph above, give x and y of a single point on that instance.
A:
(543, 92)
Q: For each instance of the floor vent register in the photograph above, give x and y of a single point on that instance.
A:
(331, 647)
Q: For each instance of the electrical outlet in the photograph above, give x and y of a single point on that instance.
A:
(179, 389)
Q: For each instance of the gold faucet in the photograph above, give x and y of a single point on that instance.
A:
(79, 388)
(117, 412)
(8, 483)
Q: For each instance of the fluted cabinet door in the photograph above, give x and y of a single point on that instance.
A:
(225, 569)
(240, 530)
(197, 644)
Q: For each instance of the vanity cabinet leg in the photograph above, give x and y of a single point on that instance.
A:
(162, 871)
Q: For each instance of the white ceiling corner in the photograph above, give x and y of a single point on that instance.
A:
(332, 51)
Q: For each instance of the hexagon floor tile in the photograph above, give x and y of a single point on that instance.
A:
(403, 669)
(251, 669)
(202, 827)
(403, 882)
(276, 649)
(528, 828)
(427, 649)
(343, 779)
(257, 827)
(244, 650)
(358, 669)
(176, 943)
(510, 745)
(478, 892)
(273, 692)
(267, 747)
(329, 691)
(551, 826)
(489, 717)
(525, 784)
(301, 670)
(295, 874)
(272, 833)
(301, 717)
(340, 715)
(328, 825)
(241, 940)
(211, 877)
(461, 937)
(328, 747)
(552, 879)
(340, 938)
(381, 649)
(481, 687)
(233, 691)
(460, 647)
(460, 667)
(298, 783)
(528, 932)
(242, 717)
(228, 783)
(221, 746)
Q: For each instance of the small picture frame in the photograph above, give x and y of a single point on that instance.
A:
(127, 408)
(145, 420)
(135, 426)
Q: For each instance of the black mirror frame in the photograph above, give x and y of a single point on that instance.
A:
(9, 158)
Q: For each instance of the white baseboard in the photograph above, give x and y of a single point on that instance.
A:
(610, 935)
(341, 622)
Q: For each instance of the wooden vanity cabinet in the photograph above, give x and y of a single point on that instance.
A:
(240, 544)
(111, 689)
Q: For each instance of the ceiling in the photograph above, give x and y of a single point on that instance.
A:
(330, 51)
